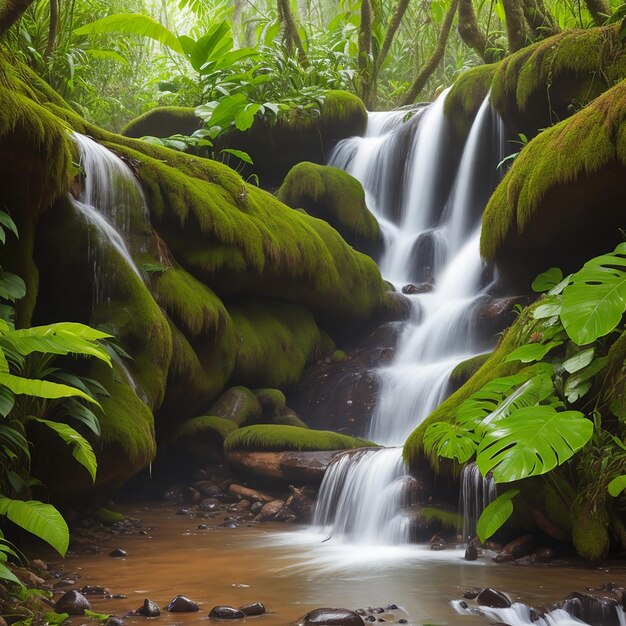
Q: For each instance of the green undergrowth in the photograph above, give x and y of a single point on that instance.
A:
(466, 369)
(272, 401)
(334, 196)
(579, 147)
(239, 405)
(276, 341)
(277, 437)
(289, 420)
(163, 122)
(441, 517)
(204, 424)
(467, 94)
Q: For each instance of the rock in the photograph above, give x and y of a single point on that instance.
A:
(149, 609)
(544, 555)
(412, 290)
(228, 524)
(332, 617)
(174, 495)
(493, 315)
(182, 604)
(471, 552)
(246, 493)
(95, 590)
(226, 612)
(237, 404)
(270, 511)
(438, 543)
(594, 607)
(301, 503)
(73, 603)
(471, 593)
(493, 599)
(256, 507)
(114, 621)
(242, 505)
(118, 553)
(256, 608)
(519, 547)
(392, 607)
(185, 511)
(209, 504)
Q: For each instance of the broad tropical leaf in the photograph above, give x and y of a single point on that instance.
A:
(595, 300)
(579, 360)
(547, 280)
(132, 24)
(451, 441)
(12, 287)
(41, 388)
(40, 519)
(495, 515)
(7, 574)
(81, 448)
(617, 485)
(531, 352)
(579, 383)
(532, 441)
(240, 154)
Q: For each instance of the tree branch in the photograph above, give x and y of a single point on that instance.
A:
(473, 37)
(11, 11)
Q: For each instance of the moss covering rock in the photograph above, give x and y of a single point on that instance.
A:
(336, 197)
(237, 404)
(164, 122)
(272, 401)
(203, 436)
(267, 437)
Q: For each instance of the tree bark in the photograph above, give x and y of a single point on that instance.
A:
(291, 31)
(599, 9)
(365, 48)
(540, 20)
(435, 58)
(516, 27)
(394, 23)
(11, 11)
(473, 37)
(53, 28)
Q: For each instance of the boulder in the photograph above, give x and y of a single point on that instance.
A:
(182, 604)
(255, 608)
(73, 603)
(519, 547)
(270, 511)
(252, 495)
(239, 405)
(226, 612)
(331, 617)
(149, 609)
(493, 599)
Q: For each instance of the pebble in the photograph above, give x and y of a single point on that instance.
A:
(225, 612)
(149, 609)
(182, 604)
(73, 603)
(118, 553)
(256, 608)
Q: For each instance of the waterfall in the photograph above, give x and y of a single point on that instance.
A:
(432, 235)
(477, 492)
(109, 195)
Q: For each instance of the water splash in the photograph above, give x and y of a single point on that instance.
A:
(477, 492)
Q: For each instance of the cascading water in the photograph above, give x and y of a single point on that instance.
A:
(109, 195)
(477, 492)
(432, 232)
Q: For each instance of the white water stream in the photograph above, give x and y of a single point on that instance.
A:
(432, 234)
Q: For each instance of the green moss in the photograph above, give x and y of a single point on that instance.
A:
(338, 356)
(327, 343)
(164, 122)
(466, 369)
(590, 533)
(579, 147)
(289, 420)
(272, 401)
(272, 437)
(277, 341)
(108, 517)
(237, 404)
(441, 517)
(336, 197)
(197, 426)
(558, 510)
(466, 96)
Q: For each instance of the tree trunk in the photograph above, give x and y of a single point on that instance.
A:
(473, 37)
(53, 28)
(599, 9)
(516, 28)
(11, 11)
(394, 23)
(365, 48)
(540, 20)
(435, 58)
(291, 31)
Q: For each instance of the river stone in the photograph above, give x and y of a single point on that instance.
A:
(73, 603)
(493, 598)
(544, 554)
(519, 547)
(114, 621)
(226, 612)
(471, 593)
(149, 609)
(471, 552)
(182, 604)
(269, 510)
(95, 590)
(256, 608)
(118, 553)
(332, 617)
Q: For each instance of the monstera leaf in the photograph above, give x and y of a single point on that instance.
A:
(532, 441)
(595, 299)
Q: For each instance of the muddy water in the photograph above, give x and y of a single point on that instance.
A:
(291, 571)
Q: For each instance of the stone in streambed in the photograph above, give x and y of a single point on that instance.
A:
(519, 547)
(114, 621)
(226, 612)
(472, 593)
(471, 552)
(256, 608)
(493, 598)
(73, 603)
(331, 617)
(118, 553)
(182, 604)
(149, 609)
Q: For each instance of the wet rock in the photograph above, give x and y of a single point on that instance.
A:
(270, 511)
(471, 552)
(378, 610)
(228, 524)
(209, 504)
(211, 491)
(256, 507)
(245, 493)
(412, 290)
(226, 612)
(182, 604)
(118, 553)
(392, 607)
(95, 590)
(237, 404)
(503, 557)
(174, 495)
(544, 555)
(149, 609)
(437, 543)
(463, 604)
(361, 612)
(472, 593)
(370, 618)
(73, 603)
(202, 527)
(595, 607)
(332, 617)
(114, 621)
(403, 621)
(519, 547)
(184, 511)
(493, 599)
(256, 608)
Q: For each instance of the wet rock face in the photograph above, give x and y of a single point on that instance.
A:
(182, 604)
(597, 606)
(256, 608)
(331, 617)
(73, 603)
(226, 612)
(493, 598)
(149, 609)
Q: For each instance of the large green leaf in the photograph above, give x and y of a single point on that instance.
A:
(495, 515)
(201, 51)
(532, 441)
(12, 287)
(7, 574)
(132, 24)
(531, 352)
(40, 519)
(617, 485)
(595, 299)
(41, 388)
(81, 448)
(451, 441)
(547, 280)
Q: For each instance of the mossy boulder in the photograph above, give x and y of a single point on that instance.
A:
(590, 533)
(548, 81)
(289, 419)
(297, 136)
(237, 404)
(466, 369)
(203, 436)
(164, 122)
(336, 197)
(560, 203)
(269, 437)
(272, 401)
